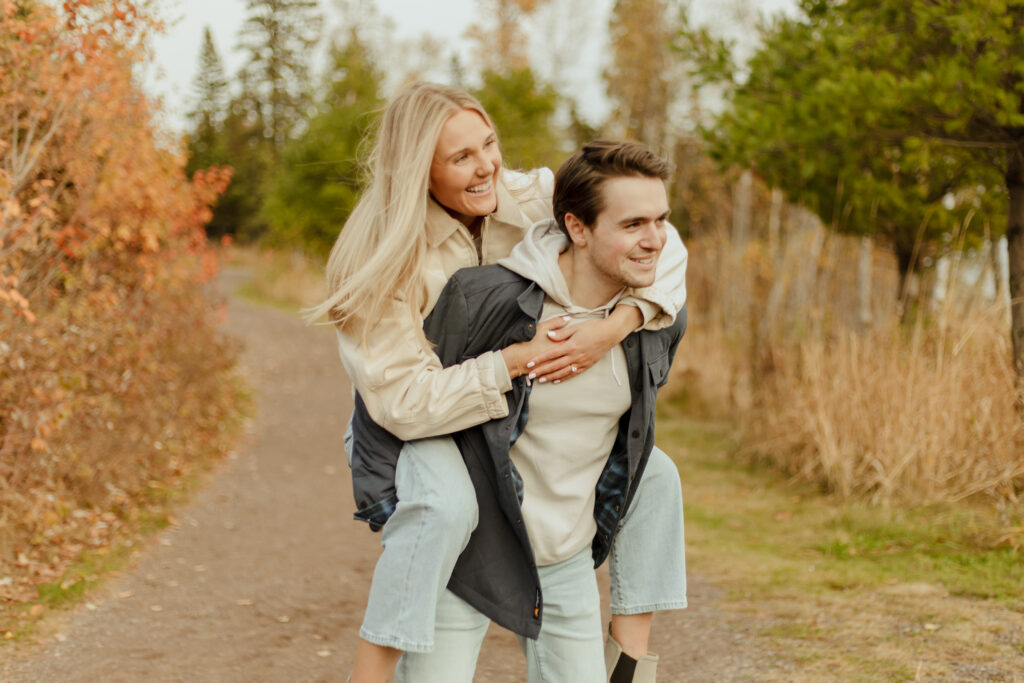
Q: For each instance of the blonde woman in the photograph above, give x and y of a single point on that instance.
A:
(438, 200)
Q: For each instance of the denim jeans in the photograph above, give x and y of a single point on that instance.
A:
(437, 512)
(647, 564)
(431, 525)
(570, 646)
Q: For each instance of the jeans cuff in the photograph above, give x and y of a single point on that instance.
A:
(395, 642)
(654, 607)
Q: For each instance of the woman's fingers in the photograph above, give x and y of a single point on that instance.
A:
(560, 369)
(552, 329)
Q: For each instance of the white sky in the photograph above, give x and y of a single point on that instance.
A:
(177, 52)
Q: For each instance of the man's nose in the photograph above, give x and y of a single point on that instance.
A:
(653, 237)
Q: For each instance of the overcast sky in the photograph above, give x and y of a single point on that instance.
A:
(177, 52)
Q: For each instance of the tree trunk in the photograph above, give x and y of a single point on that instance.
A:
(1015, 250)
(905, 260)
(774, 222)
(864, 276)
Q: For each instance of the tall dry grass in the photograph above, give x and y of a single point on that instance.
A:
(876, 409)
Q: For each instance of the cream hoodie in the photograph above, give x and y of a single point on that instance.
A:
(572, 425)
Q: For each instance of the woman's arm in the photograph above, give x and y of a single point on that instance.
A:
(649, 308)
(409, 393)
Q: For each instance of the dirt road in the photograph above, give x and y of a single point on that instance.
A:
(264, 576)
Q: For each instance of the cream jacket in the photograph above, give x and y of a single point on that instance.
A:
(399, 377)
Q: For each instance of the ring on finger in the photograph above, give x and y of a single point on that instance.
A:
(574, 368)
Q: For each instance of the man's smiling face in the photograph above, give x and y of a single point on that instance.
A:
(627, 236)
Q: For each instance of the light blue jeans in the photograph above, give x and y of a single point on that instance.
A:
(570, 646)
(437, 512)
(431, 525)
(647, 565)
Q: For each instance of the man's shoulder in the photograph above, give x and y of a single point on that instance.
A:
(670, 333)
(488, 281)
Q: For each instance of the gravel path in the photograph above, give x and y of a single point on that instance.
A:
(264, 576)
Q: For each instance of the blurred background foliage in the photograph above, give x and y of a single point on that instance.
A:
(848, 176)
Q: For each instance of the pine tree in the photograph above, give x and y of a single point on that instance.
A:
(210, 95)
(318, 183)
(882, 108)
(279, 37)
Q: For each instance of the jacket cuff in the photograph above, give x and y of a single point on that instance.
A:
(500, 380)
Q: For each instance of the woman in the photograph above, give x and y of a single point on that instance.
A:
(438, 200)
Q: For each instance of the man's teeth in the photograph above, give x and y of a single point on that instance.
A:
(480, 188)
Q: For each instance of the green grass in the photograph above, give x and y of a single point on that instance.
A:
(754, 510)
(789, 553)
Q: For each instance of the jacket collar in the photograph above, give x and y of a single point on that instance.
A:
(531, 301)
(441, 226)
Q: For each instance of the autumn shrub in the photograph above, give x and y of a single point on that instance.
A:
(114, 378)
(873, 408)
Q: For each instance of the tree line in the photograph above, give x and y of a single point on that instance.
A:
(902, 122)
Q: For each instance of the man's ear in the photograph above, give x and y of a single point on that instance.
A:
(577, 231)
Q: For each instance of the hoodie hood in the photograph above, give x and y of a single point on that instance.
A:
(536, 258)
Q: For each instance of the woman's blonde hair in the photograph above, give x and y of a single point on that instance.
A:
(379, 254)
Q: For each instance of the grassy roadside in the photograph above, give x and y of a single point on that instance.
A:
(844, 590)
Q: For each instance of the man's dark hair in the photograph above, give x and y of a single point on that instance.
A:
(579, 180)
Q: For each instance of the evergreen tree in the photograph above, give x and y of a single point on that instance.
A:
(882, 108)
(318, 182)
(210, 95)
(246, 149)
(279, 37)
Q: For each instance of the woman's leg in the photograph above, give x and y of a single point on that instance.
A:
(570, 644)
(458, 635)
(648, 557)
(430, 527)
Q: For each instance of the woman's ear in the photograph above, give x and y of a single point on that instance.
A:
(577, 231)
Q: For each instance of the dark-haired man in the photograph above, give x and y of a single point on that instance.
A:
(571, 474)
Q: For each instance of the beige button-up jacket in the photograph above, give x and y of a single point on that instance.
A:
(399, 377)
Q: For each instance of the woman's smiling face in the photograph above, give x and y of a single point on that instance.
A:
(465, 167)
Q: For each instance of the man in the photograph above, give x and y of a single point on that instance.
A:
(570, 471)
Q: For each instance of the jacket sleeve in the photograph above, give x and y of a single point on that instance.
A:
(404, 386)
(660, 302)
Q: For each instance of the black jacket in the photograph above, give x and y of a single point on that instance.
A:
(486, 309)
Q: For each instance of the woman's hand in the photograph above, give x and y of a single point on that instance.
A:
(577, 348)
(520, 359)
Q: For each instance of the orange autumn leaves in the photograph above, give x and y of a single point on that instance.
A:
(108, 341)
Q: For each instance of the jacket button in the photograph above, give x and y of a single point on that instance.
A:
(636, 434)
(530, 326)
(616, 508)
(629, 343)
(519, 521)
(507, 475)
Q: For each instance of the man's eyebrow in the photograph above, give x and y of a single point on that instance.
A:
(634, 219)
